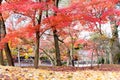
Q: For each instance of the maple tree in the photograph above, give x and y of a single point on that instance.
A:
(35, 9)
(98, 13)
(20, 9)
(88, 13)
(6, 48)
(93, 15)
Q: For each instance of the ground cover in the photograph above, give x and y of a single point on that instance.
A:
(104, 72)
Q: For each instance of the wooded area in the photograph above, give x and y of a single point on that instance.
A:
(59, 32)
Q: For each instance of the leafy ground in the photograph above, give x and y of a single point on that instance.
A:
(105, 72)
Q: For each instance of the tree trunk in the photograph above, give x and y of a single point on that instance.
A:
(57, 49)
(97, 58)
(69, 62)
(1, 54)
(6, 48)
(71, 53)
(115, 45)
(110, 58)
(58, 59)
(8, 55)
(36, 61)
(92, 60)
(1, 58)
(37, 46)
(71, 50)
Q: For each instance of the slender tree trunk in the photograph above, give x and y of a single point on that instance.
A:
(97, 58)
(18, 55)
(56, 41)
(37, 46)
(92, 61)
(1, 54)
(110, 58)
(36, 61)
(72, 51)
(58, 58)
(1, 58)
(70, 54)
(69, 62)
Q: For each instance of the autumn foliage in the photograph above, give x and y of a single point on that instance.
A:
(96, 11)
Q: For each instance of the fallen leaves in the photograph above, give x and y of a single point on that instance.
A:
(17, 73)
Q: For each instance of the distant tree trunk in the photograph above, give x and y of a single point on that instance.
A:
(115, 45)
(92, 60)
(1, 54)
(71, 53)
(71, 50)
(97, 57)
(70, 58)
(1, 58)
(6, 48)
(110, 58)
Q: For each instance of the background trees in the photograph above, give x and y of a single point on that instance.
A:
(60, 22)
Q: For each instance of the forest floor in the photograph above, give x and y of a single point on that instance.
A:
(104, 72)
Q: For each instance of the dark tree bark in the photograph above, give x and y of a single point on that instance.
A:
(36, 60)
(6, 48)
(1, 58)
(8, 55)
(37, 46)
(1, 54)
(56, 40)
(57, 49)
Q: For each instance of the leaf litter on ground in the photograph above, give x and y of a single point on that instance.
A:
(105, 72)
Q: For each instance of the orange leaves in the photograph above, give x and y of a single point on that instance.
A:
(105, 72)
(25, 32)
(80, 41)
(22, 6)
(58, 21)
(93, 10)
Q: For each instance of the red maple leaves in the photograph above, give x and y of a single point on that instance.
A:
(86, 12)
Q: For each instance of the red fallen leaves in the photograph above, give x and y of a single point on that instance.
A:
(103, 67)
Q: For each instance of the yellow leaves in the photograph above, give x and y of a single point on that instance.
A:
(30, 50)
(26, 56)
(103, 37)
(39, 74)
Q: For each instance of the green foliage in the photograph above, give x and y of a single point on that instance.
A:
(94, 36)
(101, 60)
(44, 58)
